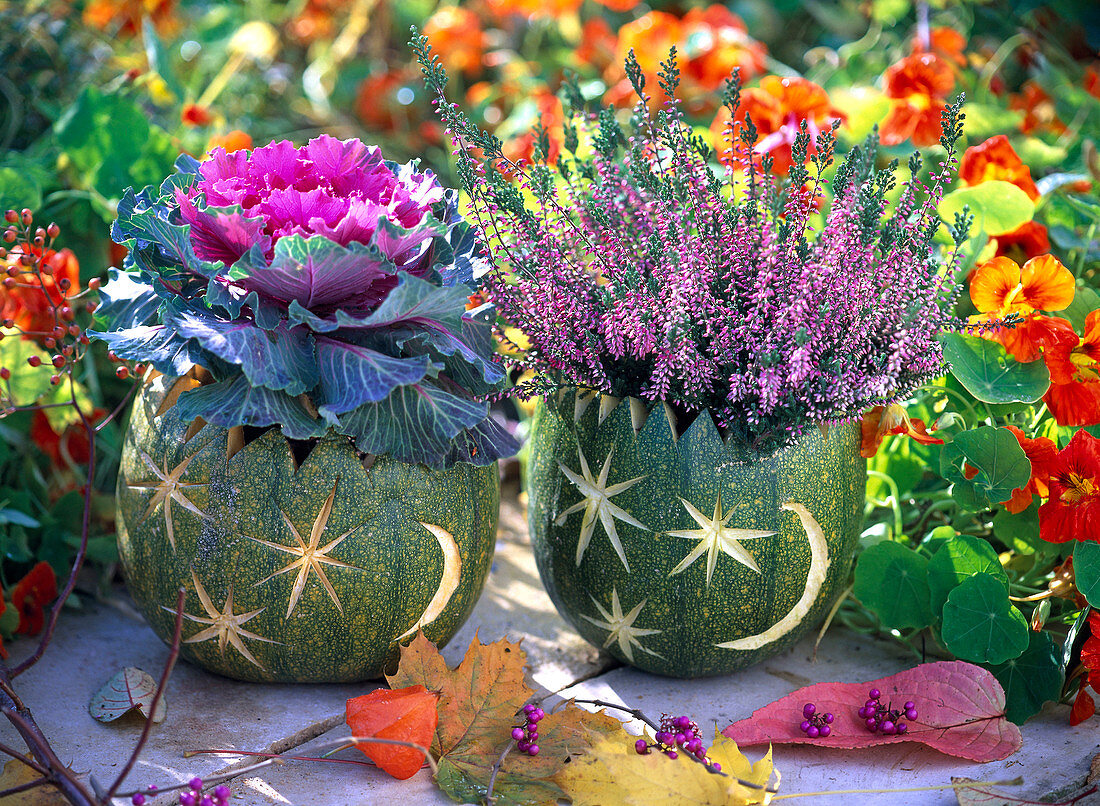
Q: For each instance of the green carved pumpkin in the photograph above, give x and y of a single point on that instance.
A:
(295, 573)
(677, 553)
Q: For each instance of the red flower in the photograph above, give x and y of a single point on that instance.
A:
(1041, 452)
(996, 159)
(124, 17)
(1083, 706)
(598, 43)
(1038, 109)
(777, 109)
(947, 43)
(31, 595)
(1025, 242)
(70, 447)
(1073, 510)
(1074, 364)
(918, 85)
(195, 115)
(883, 420)
(32, 308)
(456, 35)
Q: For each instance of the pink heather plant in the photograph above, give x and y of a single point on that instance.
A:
(636, 265)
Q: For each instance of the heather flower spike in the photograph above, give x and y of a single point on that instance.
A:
(322, 287)
(636, 264)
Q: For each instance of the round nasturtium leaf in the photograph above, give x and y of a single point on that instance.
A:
(1031, 679)
(997, 206)
(955, 561)
(980, 624)
(1086, 571)
(996, 455)
(892, 580)
(989, 373)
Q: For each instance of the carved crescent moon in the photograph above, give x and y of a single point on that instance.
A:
(452, 571)
(815, 578)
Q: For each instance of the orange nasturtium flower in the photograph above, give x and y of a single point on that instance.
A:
(1072, 512)
(31, 595)
(234, 140)
(713, 42)
(597, 45)
(777, 108)
(917, 85)
(884, 420)
(123, 17)
(531, 8)
(1000, 287)
(456, 35)
(995, 158)
(1041, 452)
(195, 115)
(1028, 240)
(1074, 364)
(947, 43)
(619, 5)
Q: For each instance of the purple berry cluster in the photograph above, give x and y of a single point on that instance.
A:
(886, 719)
(527, 735)
(677, 733)
(192, 796)
(815, 725)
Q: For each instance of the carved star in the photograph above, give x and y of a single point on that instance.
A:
(621, 628)
(714, 537)
(225, 625)
(168, 486)
(597, 504)
(312, 556)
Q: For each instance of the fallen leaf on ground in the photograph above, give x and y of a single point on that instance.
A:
(129, 689)
(478, 704)
(16, 773)
(960, 706)
(613, 774)
(985, 795)
(406, 715)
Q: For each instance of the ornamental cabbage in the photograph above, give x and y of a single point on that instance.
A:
(321, 287)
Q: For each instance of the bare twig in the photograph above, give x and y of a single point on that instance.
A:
(173, 654)
(30, 762)
(15, 790)
(496, 769)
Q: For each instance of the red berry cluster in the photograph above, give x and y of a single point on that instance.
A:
(29, 269)
(886, 719)
(677, 733)
(527, 734)
(813, 724)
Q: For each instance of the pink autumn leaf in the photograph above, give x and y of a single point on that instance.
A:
(961, 712)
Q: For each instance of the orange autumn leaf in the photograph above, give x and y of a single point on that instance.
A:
(407, 715)
(479, 704)
(31, 595)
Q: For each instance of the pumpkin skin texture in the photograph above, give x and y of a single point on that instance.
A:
(400, 545)
(661, 615)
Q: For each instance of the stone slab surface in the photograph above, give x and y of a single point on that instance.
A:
(206, 711)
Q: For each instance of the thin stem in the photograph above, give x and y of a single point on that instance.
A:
(30, 762)
(956, 786)
(829, 618)
(496, 769)
(82, 549)
(125, 400)
(173, 654)
(15, 790)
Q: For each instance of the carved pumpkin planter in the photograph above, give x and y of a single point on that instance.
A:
(677, 553)
(297, 568)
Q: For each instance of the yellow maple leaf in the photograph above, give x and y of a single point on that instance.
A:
(613, 774)
(16, 773)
